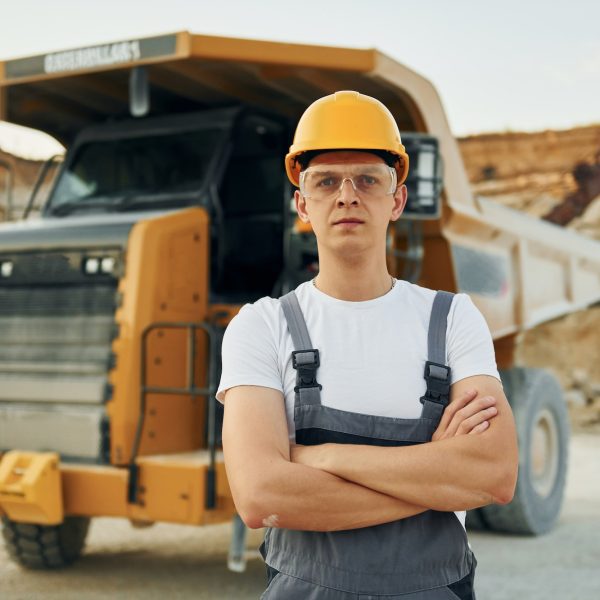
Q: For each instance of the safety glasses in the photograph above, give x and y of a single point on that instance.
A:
(323, 182)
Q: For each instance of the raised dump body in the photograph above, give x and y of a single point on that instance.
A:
(170, 211)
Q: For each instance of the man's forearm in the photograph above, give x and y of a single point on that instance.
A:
(472, 462)
(294, 496)
(453, 474)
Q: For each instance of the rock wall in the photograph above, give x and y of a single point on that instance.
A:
(533, 172)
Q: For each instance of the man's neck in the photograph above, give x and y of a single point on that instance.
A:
(353, 280)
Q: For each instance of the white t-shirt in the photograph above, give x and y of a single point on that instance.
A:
(372, 353)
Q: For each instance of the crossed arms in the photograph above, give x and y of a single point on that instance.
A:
(471, 461)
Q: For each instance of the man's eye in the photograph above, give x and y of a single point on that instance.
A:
(368, 180)
(327, 182)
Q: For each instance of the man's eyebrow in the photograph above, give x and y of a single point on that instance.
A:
(318, 171)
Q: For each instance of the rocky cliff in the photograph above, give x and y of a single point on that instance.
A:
(540, 173)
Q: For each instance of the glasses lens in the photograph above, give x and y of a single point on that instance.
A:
(369, 180)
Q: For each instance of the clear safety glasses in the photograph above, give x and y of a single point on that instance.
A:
(323, 182)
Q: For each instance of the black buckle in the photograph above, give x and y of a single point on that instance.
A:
(437, 377)
(306, 363)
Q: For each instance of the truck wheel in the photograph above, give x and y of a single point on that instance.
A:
(45, 546)
(475, 520)
(542, 424)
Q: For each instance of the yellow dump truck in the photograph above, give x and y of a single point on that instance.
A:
(170, 210)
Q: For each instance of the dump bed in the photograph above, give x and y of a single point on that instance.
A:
(518, 270)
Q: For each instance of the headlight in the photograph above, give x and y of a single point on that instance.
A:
(107, 264)
(99, 265)
(91, 265)
(6, 268)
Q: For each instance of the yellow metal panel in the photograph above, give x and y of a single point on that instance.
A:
(165, 280)
(94, 491)
(30, 487)
(172, 489)
(262, 52)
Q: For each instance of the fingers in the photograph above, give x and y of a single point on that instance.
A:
(454, 407)
(477, 419)
(479, 428)
(474, 413)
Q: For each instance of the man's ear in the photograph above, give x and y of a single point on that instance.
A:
(400, 197)
(301, 206)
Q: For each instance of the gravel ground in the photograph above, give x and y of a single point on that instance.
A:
(183, 562)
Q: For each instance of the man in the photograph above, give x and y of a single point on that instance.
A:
(332, 437)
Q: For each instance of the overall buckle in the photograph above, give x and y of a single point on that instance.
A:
(306, 363)
(306, 359)
(437, 377)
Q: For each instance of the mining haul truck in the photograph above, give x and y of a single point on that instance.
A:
(170, 210)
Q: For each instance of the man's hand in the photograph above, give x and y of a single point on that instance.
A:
(468, 414)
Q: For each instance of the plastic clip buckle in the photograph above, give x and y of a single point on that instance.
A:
(306, 363)
(437, 377)
(300, 359)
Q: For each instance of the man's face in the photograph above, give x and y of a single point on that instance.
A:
(350, 220)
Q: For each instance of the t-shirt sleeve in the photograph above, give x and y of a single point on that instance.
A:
(249, 353)
(470, 347)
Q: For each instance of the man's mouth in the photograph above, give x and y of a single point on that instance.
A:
(350, 220)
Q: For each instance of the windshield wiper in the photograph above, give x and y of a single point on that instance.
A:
(64, 208)
(122, 202)
(134, 200)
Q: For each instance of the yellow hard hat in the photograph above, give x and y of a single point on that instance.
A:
(346, 121)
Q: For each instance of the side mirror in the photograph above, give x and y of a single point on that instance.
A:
(43, 181)
(424, 181)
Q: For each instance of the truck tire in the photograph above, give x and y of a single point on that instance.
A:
(542, 422)
(475, 521)
(45, 546)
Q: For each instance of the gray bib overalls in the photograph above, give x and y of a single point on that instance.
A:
(424, 557)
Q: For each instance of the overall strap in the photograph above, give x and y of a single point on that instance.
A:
(437, 373)
(305, 358)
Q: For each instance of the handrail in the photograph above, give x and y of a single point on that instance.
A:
(191, 390)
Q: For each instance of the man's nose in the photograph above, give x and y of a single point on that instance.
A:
(347, 193)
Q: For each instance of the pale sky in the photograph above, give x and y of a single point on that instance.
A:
(511, 65)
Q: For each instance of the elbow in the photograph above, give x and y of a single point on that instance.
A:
(505, 485)
(251, 510)
(251, 518)
(255, 508)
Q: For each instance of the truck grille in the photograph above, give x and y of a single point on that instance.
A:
(56, 328)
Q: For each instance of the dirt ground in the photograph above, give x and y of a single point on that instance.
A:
(183, 562)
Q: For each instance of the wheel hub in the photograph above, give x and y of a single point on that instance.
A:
(544, 453)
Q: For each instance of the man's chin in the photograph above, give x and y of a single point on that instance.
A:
(349, 246)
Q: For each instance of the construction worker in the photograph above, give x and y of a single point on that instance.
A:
(360, 467)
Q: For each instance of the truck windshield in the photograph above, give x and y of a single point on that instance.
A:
(117, 173)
